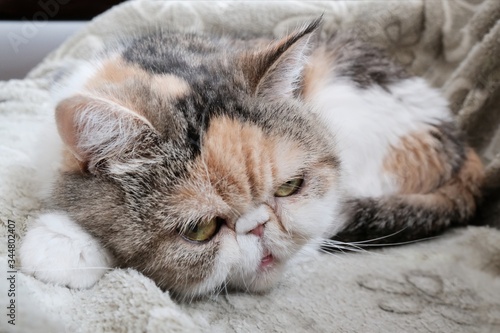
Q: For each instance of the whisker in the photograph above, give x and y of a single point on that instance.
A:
(401, 243)
(334, 243)
(352, 249)
(379, 238)
(362, 245)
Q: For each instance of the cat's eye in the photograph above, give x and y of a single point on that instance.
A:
(290, 187)
(202, 231)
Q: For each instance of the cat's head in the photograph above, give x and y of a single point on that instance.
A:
(197, 165)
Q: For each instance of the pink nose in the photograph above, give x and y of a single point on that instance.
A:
(257, 231)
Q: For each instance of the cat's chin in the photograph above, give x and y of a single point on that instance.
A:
(265, 278)
(262, 281)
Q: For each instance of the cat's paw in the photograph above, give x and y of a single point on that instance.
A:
(57, 250)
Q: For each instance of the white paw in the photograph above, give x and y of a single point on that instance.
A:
(57, 250)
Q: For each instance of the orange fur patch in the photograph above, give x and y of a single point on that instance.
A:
(70, 163)
(468, 183)
(417, 164)
(170, 86)
(117, 79)
(64, 117)
(234, 162)
(115, 71)
(460, 193)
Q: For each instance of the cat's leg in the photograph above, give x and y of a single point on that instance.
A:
(57, 250)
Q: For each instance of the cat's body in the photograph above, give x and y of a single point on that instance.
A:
(208, 162)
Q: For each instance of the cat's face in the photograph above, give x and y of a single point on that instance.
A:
(250, 201)
(200, 183)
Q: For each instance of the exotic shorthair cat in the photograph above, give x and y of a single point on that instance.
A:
(208, 162)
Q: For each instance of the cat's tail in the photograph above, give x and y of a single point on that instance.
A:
(406, 217)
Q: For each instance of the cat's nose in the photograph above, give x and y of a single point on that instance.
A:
(257, 231)
(253, 221)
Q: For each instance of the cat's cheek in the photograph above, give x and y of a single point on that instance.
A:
(251, 253)
(228, 256)
(246, 252)
(57, 250)
(314, 218)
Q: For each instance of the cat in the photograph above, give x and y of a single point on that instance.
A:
(208, 162)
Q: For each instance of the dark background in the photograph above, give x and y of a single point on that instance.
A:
(54, 10)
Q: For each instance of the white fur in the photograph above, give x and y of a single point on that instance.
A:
(57, 250)
(251, 219)
(320, 218)
(47, 157)
(131, 165)
(74, 81)
(238, 257)
(367, 122)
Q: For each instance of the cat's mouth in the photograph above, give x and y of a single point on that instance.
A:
(260, 278)
(267, 261)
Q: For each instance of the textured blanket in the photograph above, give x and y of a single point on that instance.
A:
(447, 284)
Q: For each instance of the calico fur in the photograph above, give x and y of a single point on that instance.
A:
(174, 130)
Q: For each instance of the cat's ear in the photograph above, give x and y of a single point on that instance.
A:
(95, 129)
(275, 71)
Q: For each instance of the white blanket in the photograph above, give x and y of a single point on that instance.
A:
(447, 284)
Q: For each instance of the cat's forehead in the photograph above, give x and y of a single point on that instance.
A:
(177, 106)
(239, 167)
(216, 131)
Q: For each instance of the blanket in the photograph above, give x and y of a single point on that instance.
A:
(447, 284)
